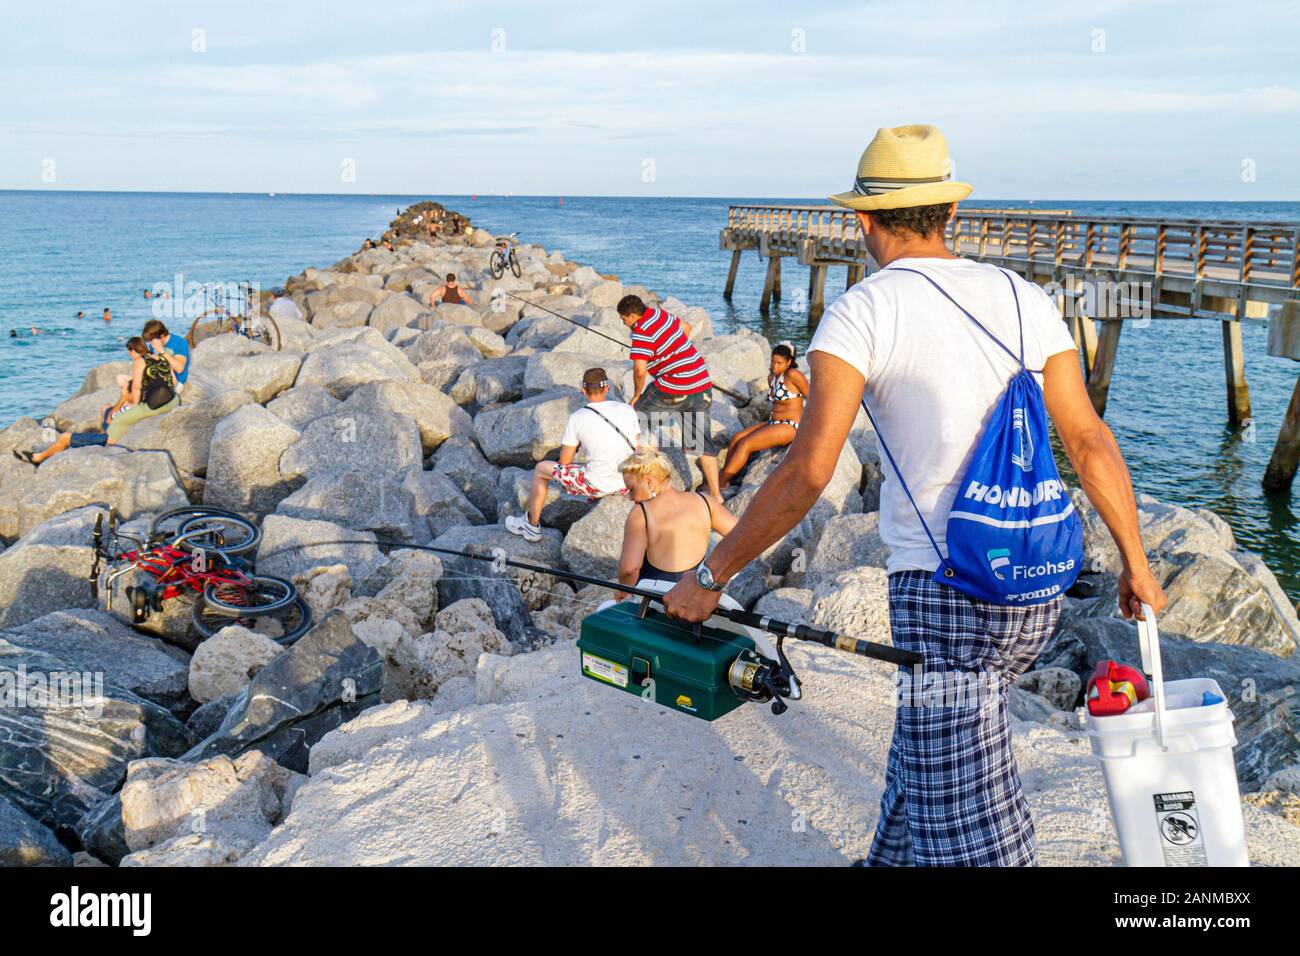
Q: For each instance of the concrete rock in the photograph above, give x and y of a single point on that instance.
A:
(528, 431)
(227, 661)
(354, 499)
(244, 462)
(292, 546)
(186, 432)
(437, 505)
(67, 735)
(301, 404)
(47, 569)
(234, 802)
(324, 588)
(594, 542)
(348, 440)
(1059, 686)
(25, 842)
(854, 602)
(323, 680)
(846, 542)
(460, 460)
(435, 414)
(584, 775)
(263, 375)
(101, 643)
(133, 483)
(343, 361)
(397, 311)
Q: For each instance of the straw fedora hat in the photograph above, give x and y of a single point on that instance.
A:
(903, 166)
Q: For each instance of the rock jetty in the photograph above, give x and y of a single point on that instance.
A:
(435, 714)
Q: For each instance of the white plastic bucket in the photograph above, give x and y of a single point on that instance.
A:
(1170, 776)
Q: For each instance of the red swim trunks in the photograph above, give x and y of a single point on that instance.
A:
(573, 479)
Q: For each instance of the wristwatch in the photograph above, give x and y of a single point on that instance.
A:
(705, 578)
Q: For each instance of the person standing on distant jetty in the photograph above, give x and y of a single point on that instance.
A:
(607, 432)
(932, 379)
(672, 382)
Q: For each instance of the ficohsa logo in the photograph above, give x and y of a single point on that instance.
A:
(998, 558)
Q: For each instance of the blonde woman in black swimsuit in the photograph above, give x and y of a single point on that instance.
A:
(786, 390)
(667, 532)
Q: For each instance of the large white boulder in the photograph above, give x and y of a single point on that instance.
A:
(244, 461)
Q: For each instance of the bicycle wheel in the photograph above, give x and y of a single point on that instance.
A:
(262, 596)
(262, 328)
(166, 527)
(228, 533)
(283, 626)
(497, 265)
(514, 265)
(210, 323)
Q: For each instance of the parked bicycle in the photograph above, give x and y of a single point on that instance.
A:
(237, 313)
(504, 257)
(204, 551)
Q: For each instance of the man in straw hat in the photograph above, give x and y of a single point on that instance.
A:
(931, 378)
(607, 432)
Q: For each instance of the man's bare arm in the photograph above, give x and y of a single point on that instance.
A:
(639, 375)
(1097, 460)
(792, 488)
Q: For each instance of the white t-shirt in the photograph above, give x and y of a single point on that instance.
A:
(603, 446)
(933, 378)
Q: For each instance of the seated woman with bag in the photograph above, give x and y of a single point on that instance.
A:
(150, 391)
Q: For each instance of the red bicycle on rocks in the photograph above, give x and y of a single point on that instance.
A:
(203, 551)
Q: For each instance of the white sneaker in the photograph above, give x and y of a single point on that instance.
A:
(520, 526)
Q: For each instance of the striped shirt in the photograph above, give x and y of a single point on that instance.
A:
(677, 366)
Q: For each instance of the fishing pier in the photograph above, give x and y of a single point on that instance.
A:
(1104, 271)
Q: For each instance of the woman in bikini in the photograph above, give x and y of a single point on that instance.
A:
(667, 532)
(786, 390)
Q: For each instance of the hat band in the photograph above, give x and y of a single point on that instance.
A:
(877, 185)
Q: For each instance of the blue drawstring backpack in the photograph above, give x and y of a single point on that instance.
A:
(1013, 535)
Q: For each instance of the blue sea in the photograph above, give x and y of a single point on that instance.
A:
(65, 252)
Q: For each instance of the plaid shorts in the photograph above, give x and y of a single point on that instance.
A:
(573, 479)
(952, 793)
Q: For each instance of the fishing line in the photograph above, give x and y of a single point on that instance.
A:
(727, 392)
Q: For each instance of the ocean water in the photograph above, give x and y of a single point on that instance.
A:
(61, 252)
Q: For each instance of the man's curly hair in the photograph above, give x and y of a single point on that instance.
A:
(922, 220)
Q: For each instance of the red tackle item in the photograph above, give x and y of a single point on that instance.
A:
(1114, 688)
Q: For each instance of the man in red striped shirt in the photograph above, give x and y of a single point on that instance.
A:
(672, 383)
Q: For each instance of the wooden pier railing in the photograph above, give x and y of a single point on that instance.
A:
(1148, 268)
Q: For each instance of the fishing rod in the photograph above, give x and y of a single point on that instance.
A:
(730, 394)
(802, 632)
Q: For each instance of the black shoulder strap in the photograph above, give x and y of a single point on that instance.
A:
(612, 425)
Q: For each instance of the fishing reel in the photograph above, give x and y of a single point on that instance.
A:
(755, 677)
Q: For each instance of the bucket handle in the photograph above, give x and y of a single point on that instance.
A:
(1149, 645)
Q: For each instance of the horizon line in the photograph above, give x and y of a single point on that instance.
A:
(270, 194)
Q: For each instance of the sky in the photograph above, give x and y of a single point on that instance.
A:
(1105, 100)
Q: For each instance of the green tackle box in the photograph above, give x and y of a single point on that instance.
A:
(662, 660)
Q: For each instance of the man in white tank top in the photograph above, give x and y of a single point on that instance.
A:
(932, 379)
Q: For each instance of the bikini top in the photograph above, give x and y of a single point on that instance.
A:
(651, 572)
(778, 391)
